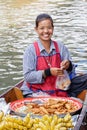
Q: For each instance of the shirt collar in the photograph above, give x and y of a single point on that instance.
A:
(41, 47)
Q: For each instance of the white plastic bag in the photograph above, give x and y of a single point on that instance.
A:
(63, 82)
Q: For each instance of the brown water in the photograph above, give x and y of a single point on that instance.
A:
(17, 31)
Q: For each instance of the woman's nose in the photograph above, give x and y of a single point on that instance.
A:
(46, 30)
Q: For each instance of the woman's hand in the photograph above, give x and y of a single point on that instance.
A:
(56, 71)
(65, 64)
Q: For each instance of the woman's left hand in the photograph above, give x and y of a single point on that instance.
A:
(65, 64)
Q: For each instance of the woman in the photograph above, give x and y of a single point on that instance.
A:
(44, 61)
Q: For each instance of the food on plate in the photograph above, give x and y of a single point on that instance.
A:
(50, 107)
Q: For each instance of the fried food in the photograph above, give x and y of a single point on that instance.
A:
(50, 107)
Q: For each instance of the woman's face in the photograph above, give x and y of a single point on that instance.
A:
(45, 30)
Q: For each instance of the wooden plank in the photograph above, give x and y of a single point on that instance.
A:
(82, 115)
(82, 95)
(13, 93)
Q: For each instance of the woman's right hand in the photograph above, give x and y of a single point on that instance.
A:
(56, 71)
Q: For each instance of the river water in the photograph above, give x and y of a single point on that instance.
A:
(17, 31)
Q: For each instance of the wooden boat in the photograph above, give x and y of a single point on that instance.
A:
(15, 93)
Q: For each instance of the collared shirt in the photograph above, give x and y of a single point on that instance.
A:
(29, 60)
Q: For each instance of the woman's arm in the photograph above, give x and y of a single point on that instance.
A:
(29, 66)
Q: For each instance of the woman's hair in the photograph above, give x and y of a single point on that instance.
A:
(42, 17)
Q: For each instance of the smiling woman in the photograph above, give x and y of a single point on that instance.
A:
(16, 32)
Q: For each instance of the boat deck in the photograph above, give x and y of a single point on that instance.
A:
(82, 119)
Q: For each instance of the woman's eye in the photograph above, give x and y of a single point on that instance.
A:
(50, 27)
(45, 28)
(41, 28)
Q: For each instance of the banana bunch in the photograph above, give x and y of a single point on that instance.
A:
(8, 122)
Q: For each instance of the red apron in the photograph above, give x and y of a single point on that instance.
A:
(43, 63)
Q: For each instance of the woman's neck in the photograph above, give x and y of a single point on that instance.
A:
(46, 45)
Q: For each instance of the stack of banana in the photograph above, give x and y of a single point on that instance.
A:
(9, 122)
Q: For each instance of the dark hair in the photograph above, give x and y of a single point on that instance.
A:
(43, 17)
